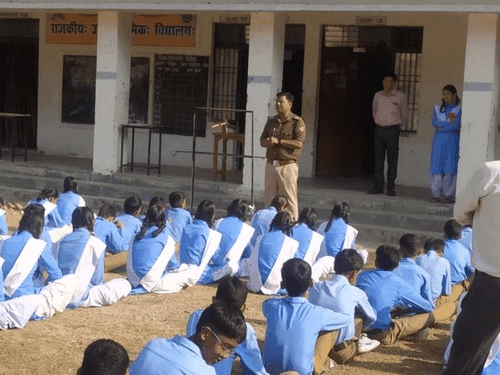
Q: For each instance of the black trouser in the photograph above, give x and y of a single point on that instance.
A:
(476, 327)
(386, 141)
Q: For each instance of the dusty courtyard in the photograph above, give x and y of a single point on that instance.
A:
(56, 346)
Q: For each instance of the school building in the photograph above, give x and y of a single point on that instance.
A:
(83, 68)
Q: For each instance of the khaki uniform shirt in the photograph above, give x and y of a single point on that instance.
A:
(293, 129)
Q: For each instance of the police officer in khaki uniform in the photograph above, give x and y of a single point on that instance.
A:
(283, 136)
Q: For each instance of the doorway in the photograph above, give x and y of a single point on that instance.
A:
(293, 64)
(19, 77)
(353, 62)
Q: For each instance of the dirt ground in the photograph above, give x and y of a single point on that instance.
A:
(56, 346)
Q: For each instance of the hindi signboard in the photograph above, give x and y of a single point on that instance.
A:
(164, 30)
(71, 28)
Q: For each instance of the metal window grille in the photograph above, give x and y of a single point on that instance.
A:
(225, 82)
(408, 68)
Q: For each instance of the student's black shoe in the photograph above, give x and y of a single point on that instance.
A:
(391, 193)
(376, 191)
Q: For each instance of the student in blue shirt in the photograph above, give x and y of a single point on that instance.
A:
(437, 267)
(418, 278)
(220, 329)
(336, 229)
(108, 231)
(177, 215)
(234, 291)
(4, 229)
(467, 237)
(457, 254)
(262, 219)
(67, 202)
(386, 291)
(340, 295)
(131, 225)
(309, 240)
(294, 324)
(106, 357)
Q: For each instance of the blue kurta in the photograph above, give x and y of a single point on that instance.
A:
(4, 229)
(109, 233)
(66, 204)
(146, 251)
(335, 237)
(303, 234)
(178, 218)
(193, 241)
(445, 146)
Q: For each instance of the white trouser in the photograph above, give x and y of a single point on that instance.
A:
(16, 312)
(56, 296)
(443, 185)
(108, 293)
(173, 282)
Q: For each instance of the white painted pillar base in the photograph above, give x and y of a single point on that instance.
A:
(265, 76)
(112, 88)
(480, 96)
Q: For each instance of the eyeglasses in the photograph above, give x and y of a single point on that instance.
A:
(227, 349)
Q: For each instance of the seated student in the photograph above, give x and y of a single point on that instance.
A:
(104, 357)
(409, 270)
(309, 240)
(294, 324)
(82, 254)
(340, 295)
(234, 291)
(108, 231)
(437, 266)
(4, 229)
(386, 291)
(220, 329)
(152, 254)
(457, 254)
(67, 201)
(177, 215)
(24, 254)
(198, 241)
(235, 237)
(262, 219)
(155, 201)
(270, 252)
(48, 199)
(131, 225)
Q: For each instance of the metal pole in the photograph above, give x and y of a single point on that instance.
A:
(193, 157)
(251, 191)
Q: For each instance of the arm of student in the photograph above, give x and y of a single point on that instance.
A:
(366, 310)
(426, 289)
(413, 300)
(446, 284)
(116, 242)
(98, 276)
(4, 229)
(49, 263)
(249, 352)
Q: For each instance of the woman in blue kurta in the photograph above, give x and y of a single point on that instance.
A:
(446, 118)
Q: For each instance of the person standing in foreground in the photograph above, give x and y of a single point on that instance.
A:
(283, 136)
(478, 324)
(389, 112)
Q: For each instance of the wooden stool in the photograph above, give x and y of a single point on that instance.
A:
(224, 136)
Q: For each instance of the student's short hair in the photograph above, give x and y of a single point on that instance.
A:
(232, 290)
(33, 220)
(238, 208)
(47, 193)
(131, 205)
(387, 257)
(453, 229)
(223, 318)
(308, 216)
(287, 95)
(296, 275)
(391, 75)
(107, 210)
(70, 184)
(104, 357)
(409, 245)
(157, 201)
(176, 199)
(282, 221)
(438, 246)
(83, 217)
(279, 202)
(206, 212)
(155, 216)
(348, 260)
(429, 245)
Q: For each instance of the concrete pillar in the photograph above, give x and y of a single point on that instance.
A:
(265, 76)
(112, 88)
(479, 101)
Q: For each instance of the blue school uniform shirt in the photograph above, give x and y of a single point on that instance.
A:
(418, 278)
(269, 249)
(261, 221)
(66, 203)
(467, 238)
(293, 325)
(10, 250)
(446, 142)
(109, 233)
(2, 297)
(339, 296)
(303, 234)
(193, 242)
(439, 270)
(146, 251)
(178, 218)
(175, 356)
(334, 238)
(386, 290)
(132, 227)
(71, 250)
(4, 229)
(460, 261)
(248, 350)
(494, 367)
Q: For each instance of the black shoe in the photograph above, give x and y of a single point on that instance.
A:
(391, 193)
(448, 200)
(376, 191)
(435, 200)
